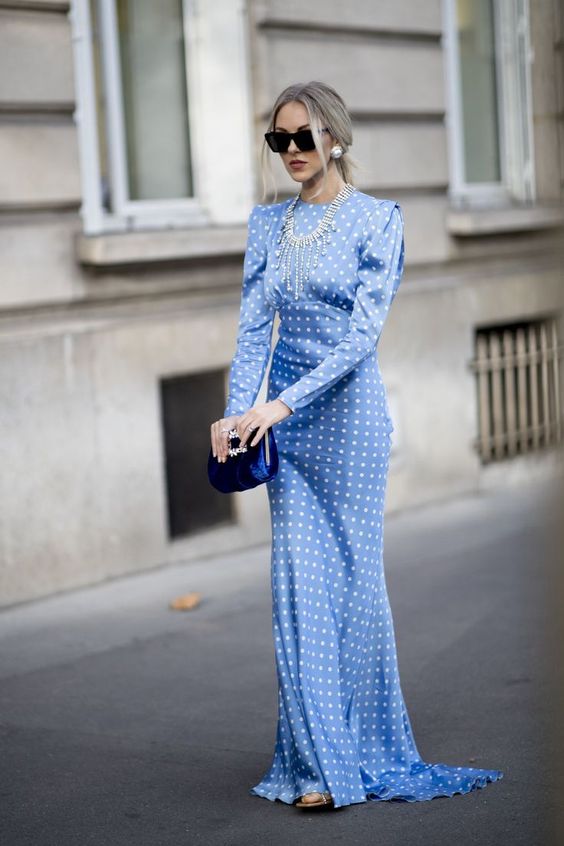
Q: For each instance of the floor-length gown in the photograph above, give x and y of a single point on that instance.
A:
(342, 726)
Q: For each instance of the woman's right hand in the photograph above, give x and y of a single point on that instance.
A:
(219, 438)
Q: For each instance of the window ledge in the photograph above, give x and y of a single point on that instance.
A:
(151, 247)
(473, 222)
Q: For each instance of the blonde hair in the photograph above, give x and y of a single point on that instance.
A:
(325, 108)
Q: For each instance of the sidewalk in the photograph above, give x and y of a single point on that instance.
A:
(124, 722)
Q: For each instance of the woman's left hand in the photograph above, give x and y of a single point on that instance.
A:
(261, 416)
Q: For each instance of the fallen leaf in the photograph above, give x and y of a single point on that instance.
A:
(186, 602)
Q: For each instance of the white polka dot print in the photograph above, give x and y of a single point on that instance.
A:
(342, 725)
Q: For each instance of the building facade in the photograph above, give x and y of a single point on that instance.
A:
(130, 138)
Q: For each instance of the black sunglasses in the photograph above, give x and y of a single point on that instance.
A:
(280, 141)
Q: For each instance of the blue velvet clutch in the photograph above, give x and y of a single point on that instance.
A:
(247, 466)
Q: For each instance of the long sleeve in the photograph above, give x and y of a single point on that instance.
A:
(379, 274)
(256, 321)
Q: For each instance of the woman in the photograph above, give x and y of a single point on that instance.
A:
(343, 733)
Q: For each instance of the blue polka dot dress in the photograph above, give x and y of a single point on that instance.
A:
(342, 725)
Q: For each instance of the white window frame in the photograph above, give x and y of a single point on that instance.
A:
(219, 97)
(515, 120)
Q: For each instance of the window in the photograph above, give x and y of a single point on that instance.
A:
(156, 84)
(192, 503)
(518, 387)
(489, 102)
(141, 57)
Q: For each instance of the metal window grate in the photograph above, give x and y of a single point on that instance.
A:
(517, 369)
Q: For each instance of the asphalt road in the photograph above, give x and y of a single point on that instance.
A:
(124, 722)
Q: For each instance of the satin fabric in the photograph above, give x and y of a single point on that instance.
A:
(343, 725)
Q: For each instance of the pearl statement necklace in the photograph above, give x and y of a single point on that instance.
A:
(297, 248)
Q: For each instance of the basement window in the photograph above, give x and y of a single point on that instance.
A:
(186, 405)
(518, 388)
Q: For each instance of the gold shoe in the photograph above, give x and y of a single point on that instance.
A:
(325, 801)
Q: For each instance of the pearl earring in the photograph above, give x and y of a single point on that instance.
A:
(336, 151)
